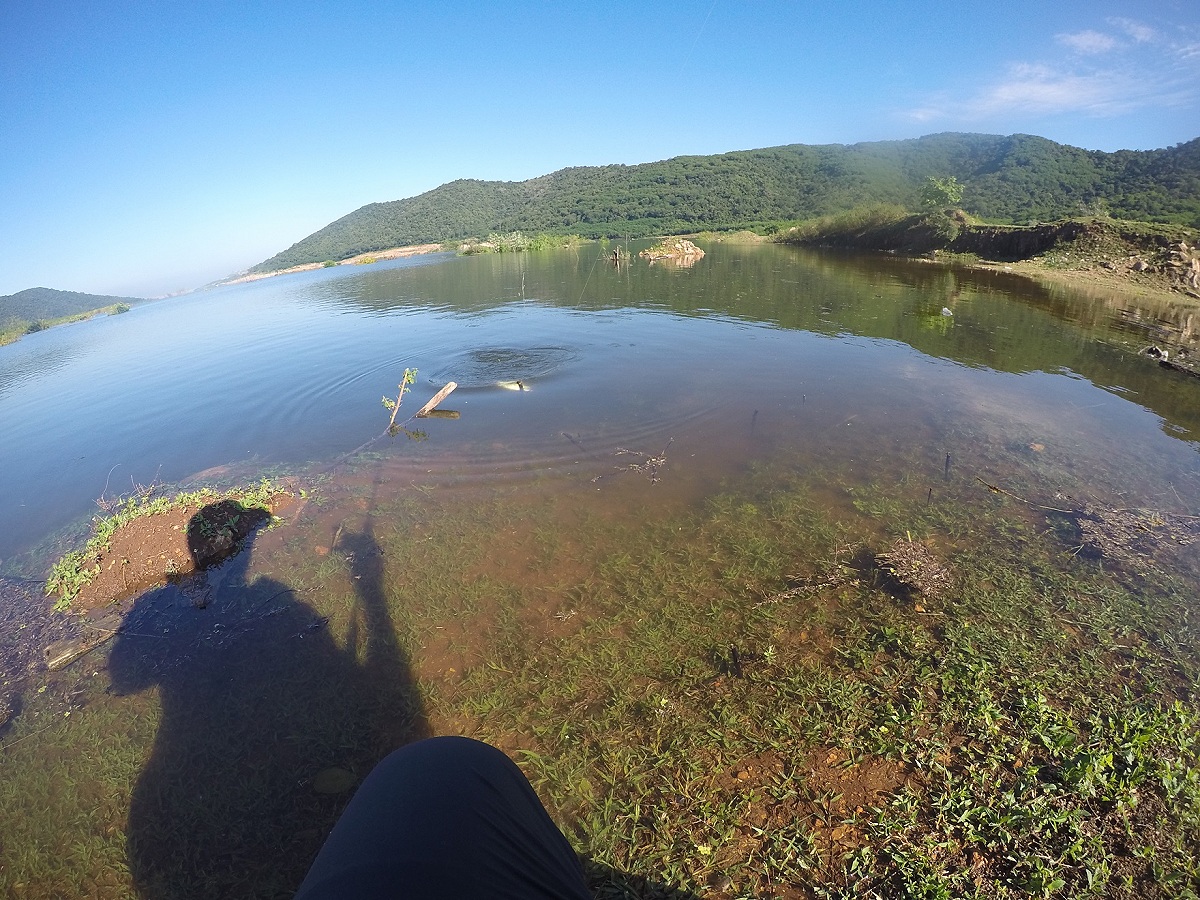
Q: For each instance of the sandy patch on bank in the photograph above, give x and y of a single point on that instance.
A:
(361, 259)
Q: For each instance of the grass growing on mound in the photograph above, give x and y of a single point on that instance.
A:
(864, 227)
(76, 568)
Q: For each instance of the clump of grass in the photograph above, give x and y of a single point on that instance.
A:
(740, 236)
(862, 226)
(518, 242)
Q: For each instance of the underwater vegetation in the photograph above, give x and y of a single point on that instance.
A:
(801, 686)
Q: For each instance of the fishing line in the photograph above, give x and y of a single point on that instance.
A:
(696, 39)
(587, 280)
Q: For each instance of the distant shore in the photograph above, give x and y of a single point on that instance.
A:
(359, 260)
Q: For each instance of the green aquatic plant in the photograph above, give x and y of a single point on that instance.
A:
(69, 575)
(409, 379)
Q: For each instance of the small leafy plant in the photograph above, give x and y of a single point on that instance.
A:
(410, 378)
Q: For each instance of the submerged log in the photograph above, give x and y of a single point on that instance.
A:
(437, 398)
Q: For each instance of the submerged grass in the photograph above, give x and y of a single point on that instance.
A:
(992, 740)
(740, 700)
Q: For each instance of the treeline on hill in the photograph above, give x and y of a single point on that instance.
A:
(1010, 179)
(38, 308)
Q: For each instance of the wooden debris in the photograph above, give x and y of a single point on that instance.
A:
(437, 398)
(1132, 537)
(650, 465)
(914, 566)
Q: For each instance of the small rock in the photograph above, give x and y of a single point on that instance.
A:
(719, 882)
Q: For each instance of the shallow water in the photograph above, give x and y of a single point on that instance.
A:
(644, 392)
(290, 371)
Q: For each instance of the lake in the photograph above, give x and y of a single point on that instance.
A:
(602, 408)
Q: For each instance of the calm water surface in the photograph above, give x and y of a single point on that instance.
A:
(753, 350)
(866, 370)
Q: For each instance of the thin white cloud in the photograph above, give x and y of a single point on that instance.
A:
(926, 113)
(1041, 89)
(1189, 51)
(1136, 30)
(1105, 76)
(1088, 42)
(1029, 89)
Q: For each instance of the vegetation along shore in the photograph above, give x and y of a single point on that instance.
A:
(37, 309)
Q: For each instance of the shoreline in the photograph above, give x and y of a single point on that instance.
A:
(1145, 286)
(362, 259)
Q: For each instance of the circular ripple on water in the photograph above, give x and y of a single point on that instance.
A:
(491, 366)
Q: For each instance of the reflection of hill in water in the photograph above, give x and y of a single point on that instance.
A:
(1002, 321)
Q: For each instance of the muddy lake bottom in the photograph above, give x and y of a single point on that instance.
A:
(782, 642)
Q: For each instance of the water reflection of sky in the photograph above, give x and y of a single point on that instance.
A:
(838, 358)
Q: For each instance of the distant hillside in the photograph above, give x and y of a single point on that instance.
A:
(31, 309)
(1015, 178)
(47, 303)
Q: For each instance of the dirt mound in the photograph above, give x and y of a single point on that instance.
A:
(149, 550)
(680, 251)
(1156, 258)
(1009, 242)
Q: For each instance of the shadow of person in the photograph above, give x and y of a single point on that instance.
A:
(265, 724)
(607, 883)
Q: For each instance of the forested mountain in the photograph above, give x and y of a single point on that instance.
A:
(47, 303)
(1015, 178)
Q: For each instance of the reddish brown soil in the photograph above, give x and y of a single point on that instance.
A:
(836, 791)
(150, 550)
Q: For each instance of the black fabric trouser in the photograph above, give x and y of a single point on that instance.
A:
(445, 817)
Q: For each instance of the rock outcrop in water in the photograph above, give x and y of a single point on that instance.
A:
(679, 250)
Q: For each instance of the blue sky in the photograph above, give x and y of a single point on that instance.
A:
(150, 147)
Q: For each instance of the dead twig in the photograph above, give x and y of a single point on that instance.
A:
(836, 575)
(914, 566)
(1131, 535)
(999, 490)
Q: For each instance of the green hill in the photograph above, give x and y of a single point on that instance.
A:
(36, 308)
(1012, 179)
